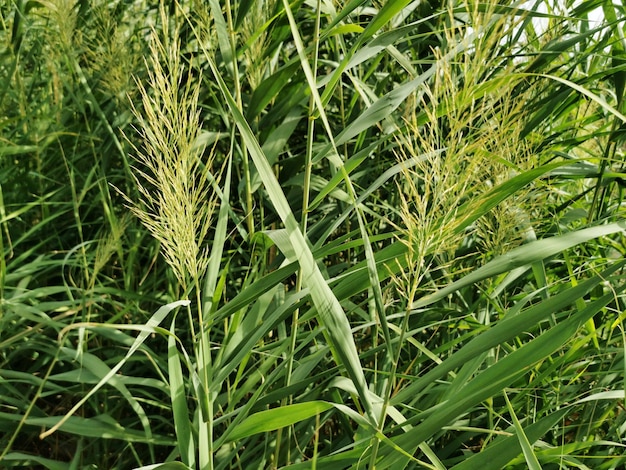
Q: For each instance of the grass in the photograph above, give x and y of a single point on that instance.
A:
(304, 235)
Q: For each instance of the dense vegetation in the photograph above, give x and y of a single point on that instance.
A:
(312, 234)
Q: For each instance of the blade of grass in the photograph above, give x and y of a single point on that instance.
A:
(524, 255)
(330, 311)
(182, 424)
(154, 321)
(589, 94)
(527, 448)
(271, 420)
(504, 331)
(505, 449)
(497, 377)
(100, 370)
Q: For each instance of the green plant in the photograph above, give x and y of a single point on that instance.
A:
(395, 229)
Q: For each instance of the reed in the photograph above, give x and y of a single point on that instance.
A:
(311, 235)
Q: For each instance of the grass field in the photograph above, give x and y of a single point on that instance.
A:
(312, 234)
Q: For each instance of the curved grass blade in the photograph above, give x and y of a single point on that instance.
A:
(506, 448)
(527, 448)
(329, 310)
(524, 255)
(154, 321)
(504, 330)
(44, 462)
(277, 418)
(499, 376)
(99, 369)
(166, 466)
(598, 99)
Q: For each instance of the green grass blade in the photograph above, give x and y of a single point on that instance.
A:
(497, 377)
(20, 457)
(154, 321)
(527, 448)
(101, 426)
(100, 370)
(166, 466)
(223, 38)
(277, 418)
(178, 395)
(330, 312)
(589, 94)
(384, 16)
(504, 330)
(243, 8)
(217, 248)
(524, 255)
(504, 449)
(502, 192)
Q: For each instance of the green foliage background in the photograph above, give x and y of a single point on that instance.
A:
(312, 234)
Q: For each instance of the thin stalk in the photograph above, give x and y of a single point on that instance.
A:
(244, 151)
(316, 441)
(306, 189)
(600, 190)
(390, 386)
(335, 159)
(205, 373)
(4, 256)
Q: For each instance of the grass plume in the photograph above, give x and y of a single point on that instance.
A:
(173, 173)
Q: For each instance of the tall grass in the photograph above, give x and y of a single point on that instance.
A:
(312, 235)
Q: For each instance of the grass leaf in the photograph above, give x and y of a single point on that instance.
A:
(271, 420)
